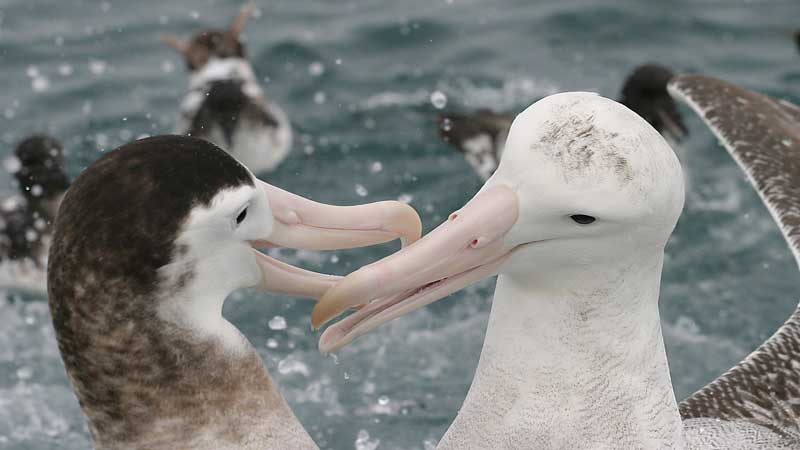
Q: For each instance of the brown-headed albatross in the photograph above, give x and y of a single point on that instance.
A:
(225, 103)
(575, 221)
(149, 241)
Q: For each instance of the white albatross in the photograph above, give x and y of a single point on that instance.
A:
(575, 221)
(149, 241)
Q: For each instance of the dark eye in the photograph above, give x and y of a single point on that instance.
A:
(241, 216)
(582, 219)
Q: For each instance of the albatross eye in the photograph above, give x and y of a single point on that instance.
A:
(582, 219)
(241, 216)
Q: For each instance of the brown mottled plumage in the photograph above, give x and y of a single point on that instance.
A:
(144, 382)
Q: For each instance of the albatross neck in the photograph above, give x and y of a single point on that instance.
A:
(578, 364)
(149, 381)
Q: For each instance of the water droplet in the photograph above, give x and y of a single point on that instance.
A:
(32, 71)
(101, 140)
(97, 66)
(361, 190)
(429, 444)
(376, 167)
(447, 124)
(12, 164)
(320, 97)
(272, 343)
(194, 15)
(36, 190)
(438, 99)
(24, 373)
(405, 198)
(290, 366)
(65, 70)
(334, 259)
(277, 323)
(40, 84)
(316, 69)
(346, 376)
(338, 61)
(383, 400)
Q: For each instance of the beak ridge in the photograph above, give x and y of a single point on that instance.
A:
(303, 223)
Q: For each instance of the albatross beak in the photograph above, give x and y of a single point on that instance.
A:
(468, 247)
(305, 224)
(302, 223)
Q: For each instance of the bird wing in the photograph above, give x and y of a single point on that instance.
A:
(762, 135)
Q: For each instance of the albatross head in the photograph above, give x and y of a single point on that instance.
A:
(584, 182)
(212, 43)
(169, 222)
(149, 241)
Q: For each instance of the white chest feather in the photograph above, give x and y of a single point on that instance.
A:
(552, 377)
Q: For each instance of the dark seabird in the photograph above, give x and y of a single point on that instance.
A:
(575, 221)
(481, 135)
(148, 243)
(225, 103)
(797, 39)
(26, 220)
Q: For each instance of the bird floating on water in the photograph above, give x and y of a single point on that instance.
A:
(149, 241)
(482, 134)
(26, 220)
(575, 221)
(225, 103)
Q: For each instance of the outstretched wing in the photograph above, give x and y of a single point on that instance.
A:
(763, 135)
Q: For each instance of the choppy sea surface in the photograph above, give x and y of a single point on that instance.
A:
(356, 78)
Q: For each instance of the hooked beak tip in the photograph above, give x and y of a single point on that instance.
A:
(409, 225)
(328, 307)
(317, 319)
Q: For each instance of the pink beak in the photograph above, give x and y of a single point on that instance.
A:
(305, 224)
(468, 247)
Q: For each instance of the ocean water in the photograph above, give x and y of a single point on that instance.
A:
(356, 78)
